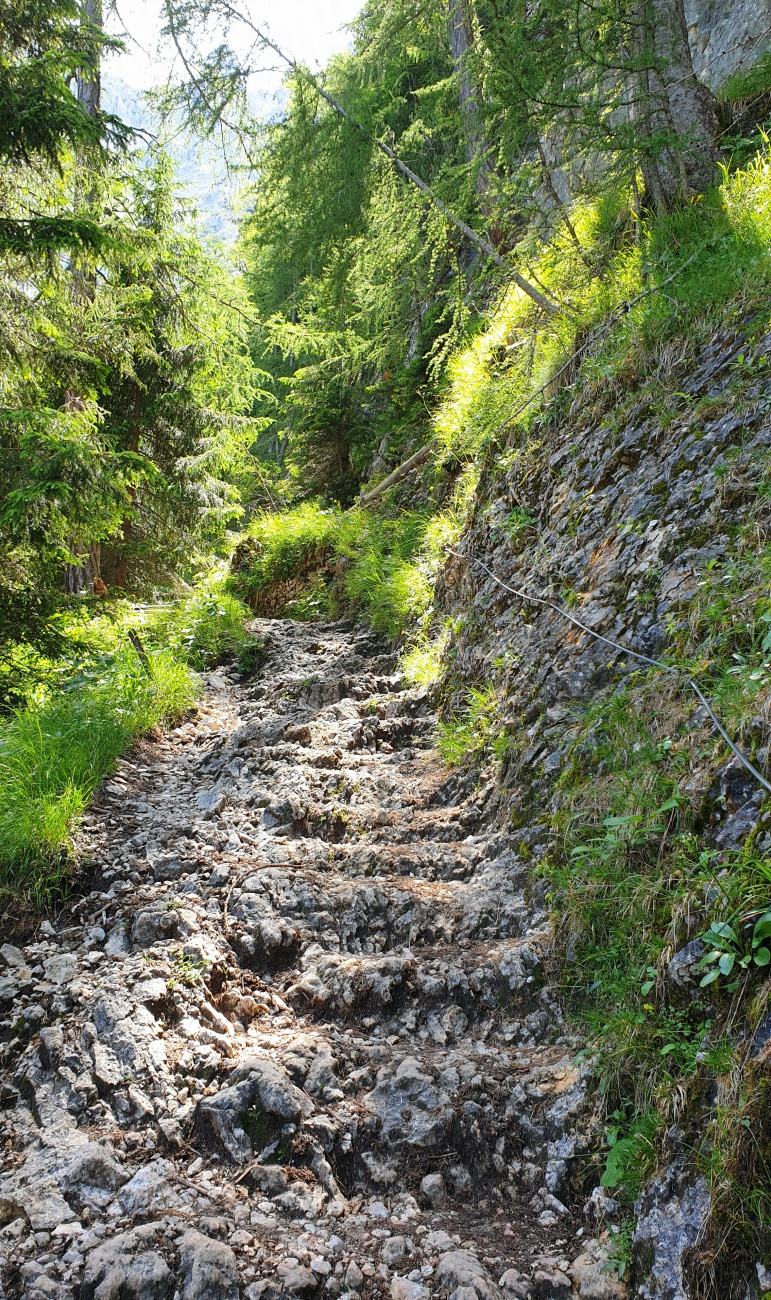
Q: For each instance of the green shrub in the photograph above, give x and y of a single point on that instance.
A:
(378, 567)
(475, 731)
(382, 576)
(631, 1154)
(207, 628)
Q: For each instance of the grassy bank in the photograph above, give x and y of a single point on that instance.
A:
(90, 704)
(310, 562)
(679, 274)
(54, 753)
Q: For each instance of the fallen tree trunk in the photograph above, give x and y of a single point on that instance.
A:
(400, 472)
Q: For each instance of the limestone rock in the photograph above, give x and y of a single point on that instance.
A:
(158, 924)
(413, 1111)
(460, 1268)
(402, 1288)
(127, 1268)
(208, 1268)
(117, 943)
(393, 1250)
(149, 1190)
(12, 957)
(258, 1085)
(295, 1279)
(594, 1279)
(671, 1213)
(433, 1190)
(108, 1071)
(60, 968)
(51, 1045)
(683, 971)
(515, 1284)
(550, 1283)
(38, 1201)
(93, 1176)
(354, 1278)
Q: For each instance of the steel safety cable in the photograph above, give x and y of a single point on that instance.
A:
(633, 654)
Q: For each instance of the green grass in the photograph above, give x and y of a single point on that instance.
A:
(360, 562)
(473, 731)
(278, 545)
(750, 82)
(382, 573)
(54, 753)
(379, 565)
(720, 248)
(91, 703)
(422, 663)
(631, 1154)
(630, 865)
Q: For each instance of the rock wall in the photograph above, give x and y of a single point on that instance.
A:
(630, 506)
(727, 37)
(627, 512)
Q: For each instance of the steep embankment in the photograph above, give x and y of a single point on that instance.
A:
(296, 1040)
(645, 513)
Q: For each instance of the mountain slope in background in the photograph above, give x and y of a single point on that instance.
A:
(208, 182)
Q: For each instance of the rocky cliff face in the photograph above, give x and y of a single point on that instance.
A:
(614, 513)
(727, 38)
(632, 514)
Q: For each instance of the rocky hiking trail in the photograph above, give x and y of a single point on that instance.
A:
(297, 1040)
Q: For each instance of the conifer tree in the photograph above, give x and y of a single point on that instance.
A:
(673, 113)
(45, 46)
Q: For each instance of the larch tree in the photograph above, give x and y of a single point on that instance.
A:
(672, 111)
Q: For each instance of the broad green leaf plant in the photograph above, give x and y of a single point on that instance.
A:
(734, 949)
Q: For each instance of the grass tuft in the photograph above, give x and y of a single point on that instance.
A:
(474, 731)
(54, 753)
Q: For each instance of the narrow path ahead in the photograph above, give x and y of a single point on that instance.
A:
(296, 1040)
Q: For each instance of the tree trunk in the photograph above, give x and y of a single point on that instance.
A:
(127, 528)
(477, 148)
(669, 103)
(90, 82)
(85, 577)
(461, 42)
